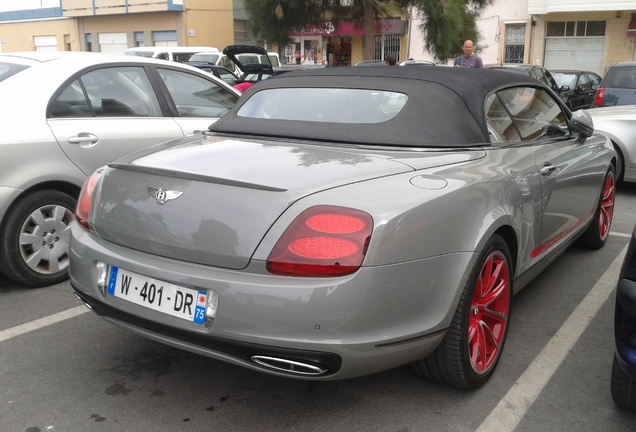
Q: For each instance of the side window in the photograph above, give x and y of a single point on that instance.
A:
(225, 61)
(535, 113)
(163, 56)
(70, 103)
(181, 57)
(500, 125)
(121, 92)
(194, 96)
(595, 81)
(584, 82)
(227, 76)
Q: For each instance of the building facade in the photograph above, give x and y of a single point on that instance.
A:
(111, 26)
(573, 34)
(342, 44)
(557, 34)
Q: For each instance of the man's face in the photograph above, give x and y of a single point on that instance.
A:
(468, 48)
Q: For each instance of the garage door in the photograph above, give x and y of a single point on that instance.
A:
(583, 53)
(113, 43)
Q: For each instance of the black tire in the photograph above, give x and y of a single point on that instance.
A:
(35, 238)
(620, 165)
(623, 388)
(597, 232)
(460, 359)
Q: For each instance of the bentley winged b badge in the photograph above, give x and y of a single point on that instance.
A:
(163, 196)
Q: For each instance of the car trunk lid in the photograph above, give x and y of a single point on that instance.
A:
(211, 200)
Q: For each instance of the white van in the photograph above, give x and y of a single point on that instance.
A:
(173, 53)
(214, 57)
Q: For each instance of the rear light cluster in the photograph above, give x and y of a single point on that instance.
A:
(84, 201)
(323, 241)
(598, 99)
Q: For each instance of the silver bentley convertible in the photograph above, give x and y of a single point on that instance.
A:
(340, 222)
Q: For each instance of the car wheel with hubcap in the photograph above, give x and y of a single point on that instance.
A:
(35, 238)
(474, 341)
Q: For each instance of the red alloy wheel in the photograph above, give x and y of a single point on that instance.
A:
(607, 205)
(489, 313)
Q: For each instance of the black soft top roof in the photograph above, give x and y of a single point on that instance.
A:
(444, 107)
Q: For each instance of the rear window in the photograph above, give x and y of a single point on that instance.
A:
(620, 77)
(208, 58)
(333, 105)
(140, 53)
(9, 69)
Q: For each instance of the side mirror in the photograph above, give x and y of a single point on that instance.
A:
(564, 88)
(581, 122)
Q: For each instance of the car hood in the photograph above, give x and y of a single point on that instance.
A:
(211, 200)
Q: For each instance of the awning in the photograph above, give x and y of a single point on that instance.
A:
(631, 28)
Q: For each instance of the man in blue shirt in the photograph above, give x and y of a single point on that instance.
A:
(468, 60)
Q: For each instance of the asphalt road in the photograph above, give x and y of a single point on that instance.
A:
(65, 369)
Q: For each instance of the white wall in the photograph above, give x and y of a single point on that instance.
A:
(487, 24)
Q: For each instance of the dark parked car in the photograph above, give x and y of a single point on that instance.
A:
(624, 367)
(218, 71)
(535, 71)
(618, 86)
(577, 88)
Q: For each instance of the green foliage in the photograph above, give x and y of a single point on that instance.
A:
(446, 23)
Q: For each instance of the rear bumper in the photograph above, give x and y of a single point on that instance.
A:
(225, 349)
(376, 319)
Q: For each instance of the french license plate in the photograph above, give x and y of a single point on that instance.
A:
(178, 301)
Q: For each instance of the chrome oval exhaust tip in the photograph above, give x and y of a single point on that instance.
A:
(85, 304)
(290, 366)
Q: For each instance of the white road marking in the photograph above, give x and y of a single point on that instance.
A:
(516, 403)
(42, 322)
(617, 234)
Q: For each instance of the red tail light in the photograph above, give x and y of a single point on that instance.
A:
(323, 241)
(84, 201)
(600, 95)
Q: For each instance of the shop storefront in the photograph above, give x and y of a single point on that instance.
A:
(341, 45)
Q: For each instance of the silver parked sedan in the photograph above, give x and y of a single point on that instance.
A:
(619, 124)
(344, 221)
(65, 114)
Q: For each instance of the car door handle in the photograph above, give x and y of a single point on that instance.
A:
(82, 138)
(547, 169)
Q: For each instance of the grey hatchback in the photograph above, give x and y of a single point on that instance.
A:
(618, 86)
(65, 114)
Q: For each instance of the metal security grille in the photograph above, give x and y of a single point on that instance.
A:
(385, 45)
(515, 42)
